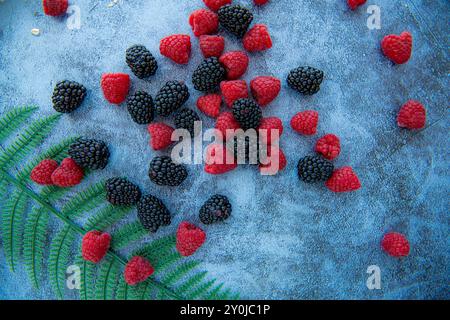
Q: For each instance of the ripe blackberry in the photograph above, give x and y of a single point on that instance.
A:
(314, 169)
(185, 118)
(247, 113)
(216, 209)
(140, 107)
(141, 61)
(120, 191)
(171, 97)
(68, 96)
(89, 153)
(152, 213)
(235, 19)
(164, 172)
(208, 75)
(246, 150)
(305, 80)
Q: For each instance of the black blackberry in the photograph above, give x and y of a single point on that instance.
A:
(141, 61)
(89, 153)
(120, 191)
(247, 113)
(246, 149)
(235, 19)
(171, 97)
(164, 172)
(152, 213)
(68, 96)
(185, 118)
(305, 80)
(208, 75)
(314, 169)
(140, 107)
(216, 209)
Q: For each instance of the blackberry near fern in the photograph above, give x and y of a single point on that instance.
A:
(247, 113)
(314, 169)
(208, 75)
(185, 119)
(164, 172)
(305, 80)
(235, 19)
(141, 61)
(216, 209)
(140, 107)
(152, 213)
(171, 97)
(89, 153)
(68, 96)
(120, 191)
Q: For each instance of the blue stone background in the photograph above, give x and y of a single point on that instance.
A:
(285, 239)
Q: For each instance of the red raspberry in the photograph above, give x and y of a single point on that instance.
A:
(305, 122)
(115, 87)
(218, 159)
(328, 146)
(412, 115)
(55, 7)
(160, 135)
(260, 2)
(235, 63)
(189, 238)
(272, 167)
(271, 123)
(137, 270)
(395, 244)
(212, 46)
(203, 21)
(265, 89)
(68, 174)
(257, 39)
(226, 122)
(94, 245)
(210, 104)
(353, 4)
(176, 47)
(215, 5)
(233, 90)
(397, 48)
(42, 173)
(343, 180)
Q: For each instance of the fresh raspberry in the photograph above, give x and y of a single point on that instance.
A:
(395, 244)
(305, 122)
(233, 90)
(260, 2)
(272, 167)
(115, 87)
(397, 48)
(353, 4)
(226, 122)
(203, 21)
(265, 89)
(176, 47)
(55, 7)
(215, 5)
(257, 39)
(160, 135)
(235, 63)
(218, 159)
(68, 174)
(42, 173)
(343, 180)
(412, 115)
(328, 146)
(94, 245)
(212, 46)
(189, 238)
(269, 124)
(210, 104)
(137, 270)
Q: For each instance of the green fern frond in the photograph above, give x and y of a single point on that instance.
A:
(127, 234)
(107, 279)
(87, 278)
(161, 263)
(192, 281)
(214, 293)
(85, 201)
(158, 246)
(13, 119)
(179, 272)
(106, 217)
(122, 292)
(201, 290)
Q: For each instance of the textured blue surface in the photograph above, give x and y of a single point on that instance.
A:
(285, 240)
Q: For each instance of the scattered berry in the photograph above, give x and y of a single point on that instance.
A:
(164, 172)
(137, 270)
(215, 5)
(208, 75)
(314, 169)
(328, 146)
(210, 104)
(115, 87)
(395, 244)
(218, 159)
(42, 173)
(176, 47)
(235, 63)
(343, 180)
(305, 122)
(217, 208)
(95, 245)
(353, 4)
(203, 22)
(68, 174)
(233, 90)
(265, 89)
(269, 124)
(89, 153)
(412, 115)
(152, 213)
(212, 46)
(55, 8)
(185, 119)
(171, 97)
(247, 113)
(189, 238)
(246, 149)
(275, 165)
(260, 2)
(160, 135)
(121, 192)
(305, 80)
(397, 48)
(140, 107)
(141, 61)
(68, 96)
(235, 19)
(257, 39)
(226, 124)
